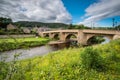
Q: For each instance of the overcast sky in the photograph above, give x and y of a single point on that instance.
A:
(35, 10)
(97, 12)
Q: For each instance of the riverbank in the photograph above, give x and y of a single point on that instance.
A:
(7, 44)
(18, 36)
(102, 62)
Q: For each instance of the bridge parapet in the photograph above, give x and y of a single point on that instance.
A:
(102, 31)
(58, 31)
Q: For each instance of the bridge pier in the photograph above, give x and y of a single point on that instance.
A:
(62, 36)
(51, 35)
(82, 40)
(116, 37)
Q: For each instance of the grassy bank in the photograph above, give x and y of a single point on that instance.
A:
(15, 43)
(100, 62)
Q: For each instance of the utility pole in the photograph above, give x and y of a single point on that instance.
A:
(92, 24)
(116, 24)
(113, 19)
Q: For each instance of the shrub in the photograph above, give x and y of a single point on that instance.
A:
(91, 59)
(113, 56)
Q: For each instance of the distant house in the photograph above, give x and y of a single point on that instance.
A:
(42, 29)
(26, 30)
(11, 27)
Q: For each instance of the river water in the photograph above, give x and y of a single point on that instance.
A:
(26, 53)
(106, 40)
(33, 52)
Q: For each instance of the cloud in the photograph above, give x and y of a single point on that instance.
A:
(101, 10)
(35, 10)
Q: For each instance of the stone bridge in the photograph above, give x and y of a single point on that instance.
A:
(82, 36)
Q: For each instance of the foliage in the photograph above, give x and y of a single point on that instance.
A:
(70, 26)
(117, 27)
(11, 43)
(40, 24)
(4, 22)
(96, 40)
(65, 64)
(91, 59)
(2, 31)
(81, 26)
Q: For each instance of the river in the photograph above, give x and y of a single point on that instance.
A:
(33, 52)
(106, 40)
(26, 53)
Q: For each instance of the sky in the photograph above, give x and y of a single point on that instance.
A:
(88, 12)
(94, 12)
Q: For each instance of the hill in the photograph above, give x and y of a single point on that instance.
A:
(40, 24)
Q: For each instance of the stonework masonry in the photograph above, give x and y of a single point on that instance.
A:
(82, 35)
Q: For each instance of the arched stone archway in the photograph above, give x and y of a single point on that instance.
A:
(92, 35)
(71, 37)
(92, 38)
(46, 35)
(56, 36)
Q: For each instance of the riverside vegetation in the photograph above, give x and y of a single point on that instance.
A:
(15, 43)
(101, 62)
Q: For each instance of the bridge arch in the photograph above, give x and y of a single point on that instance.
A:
(91, 38)
(71, 36)
(46, 35)
(56, 36)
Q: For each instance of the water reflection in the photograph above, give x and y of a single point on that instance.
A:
(28, 53)
(106, 40)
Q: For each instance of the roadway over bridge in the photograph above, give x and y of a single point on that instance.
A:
(82, 36)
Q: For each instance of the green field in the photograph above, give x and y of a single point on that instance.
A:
(15, 43)
(101, 62)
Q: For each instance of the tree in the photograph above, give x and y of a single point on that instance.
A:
(81, 26)
(70, 26)
(118, 27)
(4, 22)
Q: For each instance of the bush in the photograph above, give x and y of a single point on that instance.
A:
(91, 59)
(112, 56)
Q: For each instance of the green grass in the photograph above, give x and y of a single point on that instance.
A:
(15, 43)
(21, 39)
(67, 65)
